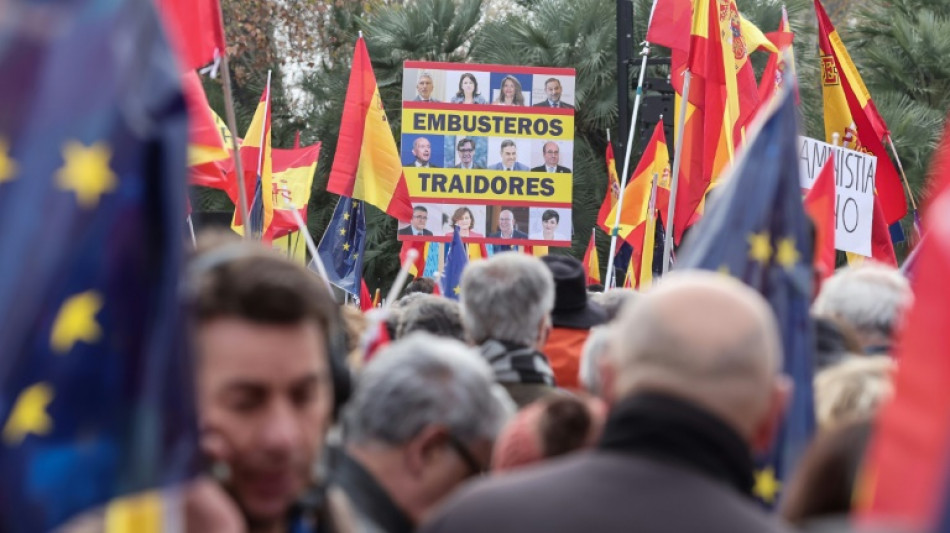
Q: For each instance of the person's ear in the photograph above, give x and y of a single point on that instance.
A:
(607, 370)
(764, 433)
(425, 448)
(544, 331)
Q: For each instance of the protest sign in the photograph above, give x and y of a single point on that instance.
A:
(489, 147)
(854, 188)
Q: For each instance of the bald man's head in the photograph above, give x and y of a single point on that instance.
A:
(707, 339)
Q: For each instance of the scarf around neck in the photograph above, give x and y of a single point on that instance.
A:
(512, 363)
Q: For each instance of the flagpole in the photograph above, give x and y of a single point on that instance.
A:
(900, 166)
(675, 178)
(311, 247)
(191, 229)
(260, 159)
(615, 230)
(411, 255)
(232, 125)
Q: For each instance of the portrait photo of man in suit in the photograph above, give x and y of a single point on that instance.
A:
(509, 157)
(506, 227)
(424, 88)
(422, 151)
(466, 151)
(552, 88)
(552, 155)
(420, 215)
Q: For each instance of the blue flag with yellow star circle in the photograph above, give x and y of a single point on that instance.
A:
(755, 229)
(95, 386)
(341, 248)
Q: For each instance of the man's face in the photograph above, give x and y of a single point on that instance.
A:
(466, 152)
(506, 221)
(422, 149)
(424, 87)
(509, 155)
(551, 154)
(265, 393)
(553, 89)
(419, 219)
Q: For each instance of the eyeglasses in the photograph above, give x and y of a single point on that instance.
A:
(467, 456)
(466, 150)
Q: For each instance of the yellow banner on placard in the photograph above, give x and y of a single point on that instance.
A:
(516, 187)
(488, 124)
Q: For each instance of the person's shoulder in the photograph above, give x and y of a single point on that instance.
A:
(567, 105)
(538, 169)
(427, 233)
(520, 234)
(563, 169)
(405, 231)
(542, 103)
(495, 234)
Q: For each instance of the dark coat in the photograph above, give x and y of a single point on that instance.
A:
(628, 488)
(559, 169)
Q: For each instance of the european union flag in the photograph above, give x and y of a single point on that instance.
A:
(455, 262)
(341, 248)
(95, 385)
(755, 229)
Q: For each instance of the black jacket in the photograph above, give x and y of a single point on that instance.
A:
(663, 466)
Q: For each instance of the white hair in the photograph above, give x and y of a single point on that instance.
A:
(420, 381)
(870, 297)
(591, 354)
(506, 298)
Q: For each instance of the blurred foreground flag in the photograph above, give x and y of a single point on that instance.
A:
(755, 229)
(196, 30)
(367, 165)
(908, 460)
(95, 386)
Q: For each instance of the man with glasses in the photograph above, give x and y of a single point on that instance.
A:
(466, 150)
(417, 226)
(422, 421)
(552, 156)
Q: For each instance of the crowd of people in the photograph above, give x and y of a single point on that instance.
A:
(529, 405)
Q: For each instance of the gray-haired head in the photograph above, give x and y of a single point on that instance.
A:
(432, 314)
(614, 301)
(421, 381)
(508, 298)
(870, 297)
(591, 354)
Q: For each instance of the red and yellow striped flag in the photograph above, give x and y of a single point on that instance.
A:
(367, 165)
(591, 261)
(611, 194)
(850, 112)
(634, 212)
(208, 147)
(256, 159)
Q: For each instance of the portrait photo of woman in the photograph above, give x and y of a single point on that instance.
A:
(509, 92)
(468, 91)
(465, 220)
(547, 226)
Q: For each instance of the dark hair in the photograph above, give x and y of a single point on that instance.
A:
(465, 140)
(247, 281)
(420, 208)
(457, 215)
(423, 285)
(548, 214)
(564, 425)
(824, 482)
(461, 93)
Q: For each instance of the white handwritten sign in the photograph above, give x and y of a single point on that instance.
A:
(854, 188)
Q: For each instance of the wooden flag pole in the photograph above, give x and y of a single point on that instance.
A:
(232, 125)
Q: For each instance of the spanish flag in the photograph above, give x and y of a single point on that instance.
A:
(850, 112)
(635, 208)
(367, 165)
(820, 206)
(208, 139)
(773, 76)
(591, 261)
(610, 195)
(258, 172)
(291, 183)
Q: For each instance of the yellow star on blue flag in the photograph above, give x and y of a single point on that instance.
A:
(341, 248)
(455, 263)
